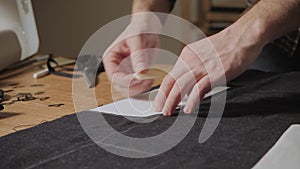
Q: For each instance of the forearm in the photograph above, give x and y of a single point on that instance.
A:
(268, 20)
(151, 6)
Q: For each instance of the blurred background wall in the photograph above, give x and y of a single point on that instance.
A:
(65, 25)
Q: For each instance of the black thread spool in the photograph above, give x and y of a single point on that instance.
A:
(1, 99)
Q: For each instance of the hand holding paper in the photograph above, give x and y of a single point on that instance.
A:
(133, 52)
(141, 105)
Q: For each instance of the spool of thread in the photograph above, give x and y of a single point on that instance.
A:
(1, 96)
(1, 99)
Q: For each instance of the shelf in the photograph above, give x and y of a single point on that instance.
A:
(222, 16)
(228, 3)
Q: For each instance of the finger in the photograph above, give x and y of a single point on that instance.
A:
(111, 62)
(170, 110)
(179, 90)
(173, 98)
(182, 86)
(163, 92)
(186, 82)
(137, 56)
(113, 57)
(197, 94)
(179, 69)
(122, 75)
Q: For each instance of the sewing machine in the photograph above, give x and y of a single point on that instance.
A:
(18, 33)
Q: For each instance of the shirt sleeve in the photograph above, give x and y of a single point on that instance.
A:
(288, 43)
(172, 2)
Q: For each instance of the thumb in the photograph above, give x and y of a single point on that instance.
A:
(138, 54)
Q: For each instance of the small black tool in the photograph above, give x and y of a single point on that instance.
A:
(44, 98)
(56, 105)
(25, 97)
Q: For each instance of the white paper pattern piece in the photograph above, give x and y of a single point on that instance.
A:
(285, 153)
(141, 105)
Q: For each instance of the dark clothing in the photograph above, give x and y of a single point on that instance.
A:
(289, 43)
(172, 2)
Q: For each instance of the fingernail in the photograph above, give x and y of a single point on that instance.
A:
(186, 110)
(166, 112)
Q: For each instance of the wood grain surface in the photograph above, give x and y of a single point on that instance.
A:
(52, 90)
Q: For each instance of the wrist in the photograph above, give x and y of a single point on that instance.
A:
(249, 31)
(149, 19)
(145, 22)
(151, 6)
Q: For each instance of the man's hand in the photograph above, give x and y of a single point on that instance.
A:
(131, 53)
(226, 54)
(204, 62)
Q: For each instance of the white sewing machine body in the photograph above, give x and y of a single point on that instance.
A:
(18, 33)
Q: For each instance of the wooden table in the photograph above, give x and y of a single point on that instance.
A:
(50, 90)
